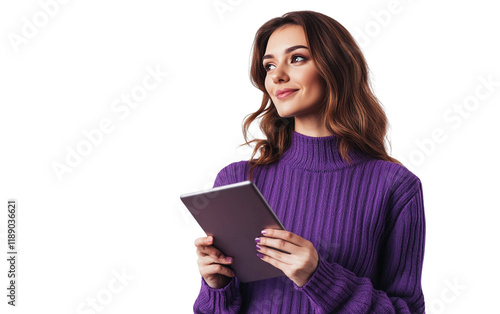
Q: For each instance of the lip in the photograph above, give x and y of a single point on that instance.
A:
(282, 93)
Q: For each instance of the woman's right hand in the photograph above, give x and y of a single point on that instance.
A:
(209, 262)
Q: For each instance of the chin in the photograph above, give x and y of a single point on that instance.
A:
(285, 114)
(289, 112)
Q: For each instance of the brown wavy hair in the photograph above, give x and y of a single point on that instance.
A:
(350, 111)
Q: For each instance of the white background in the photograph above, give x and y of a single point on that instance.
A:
(119, 209)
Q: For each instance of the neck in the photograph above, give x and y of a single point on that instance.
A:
(318, 153)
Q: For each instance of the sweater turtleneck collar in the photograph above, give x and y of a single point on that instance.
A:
(318, 153)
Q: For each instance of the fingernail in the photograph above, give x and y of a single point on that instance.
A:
(257, 246)
(260, 255)
(257, 240)
(263, 232)
(229, 259)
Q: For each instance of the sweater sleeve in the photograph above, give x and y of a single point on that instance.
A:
(333, 288)
(226, 299)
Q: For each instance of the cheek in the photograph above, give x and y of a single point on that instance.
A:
(316, 87)
(312, 81)
(317, 79)
(267, 85)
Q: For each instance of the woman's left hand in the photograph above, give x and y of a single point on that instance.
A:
(302, 261)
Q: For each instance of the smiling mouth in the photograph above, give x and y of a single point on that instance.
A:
(286, 94)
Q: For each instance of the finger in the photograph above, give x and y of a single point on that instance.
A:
(203, 245)
(210, 259)
(276, 263)
(285, 235)
(203, 241)
(285, 258)
(277, 244)
(217, 269)
(210, 251)
(205, 248)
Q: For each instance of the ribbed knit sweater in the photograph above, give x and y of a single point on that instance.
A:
(365, 219)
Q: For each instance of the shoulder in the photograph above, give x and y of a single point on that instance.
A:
(233, 173)
(400, 183)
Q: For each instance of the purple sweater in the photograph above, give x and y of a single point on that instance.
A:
(366, 221)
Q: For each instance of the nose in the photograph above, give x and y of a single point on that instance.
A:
(280, 74)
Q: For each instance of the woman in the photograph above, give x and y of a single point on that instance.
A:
(354, 216)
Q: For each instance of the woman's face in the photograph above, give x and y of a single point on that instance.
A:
(288, 63)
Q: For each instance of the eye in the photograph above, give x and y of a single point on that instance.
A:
(266, 66)
(297, 56)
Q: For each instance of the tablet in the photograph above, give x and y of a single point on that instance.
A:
(234, 215)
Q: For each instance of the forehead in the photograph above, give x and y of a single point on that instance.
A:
(284, 37)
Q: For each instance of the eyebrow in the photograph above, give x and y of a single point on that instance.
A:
(288, 50)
